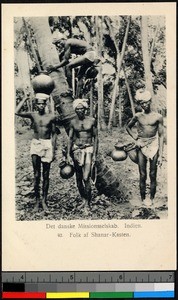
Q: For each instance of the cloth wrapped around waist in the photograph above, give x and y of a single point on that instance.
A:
(91, 55)
(149, 146)
(81, 154)
(42, 148)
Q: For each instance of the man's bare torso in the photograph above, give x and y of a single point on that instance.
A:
(78, 46)
(42, 125)
(83, 131)
(147, 124)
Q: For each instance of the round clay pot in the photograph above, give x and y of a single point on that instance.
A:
(118, 155)
(133, 154)
(43, 84)
(66, 171)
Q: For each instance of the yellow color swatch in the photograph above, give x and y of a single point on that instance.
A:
(67, 295)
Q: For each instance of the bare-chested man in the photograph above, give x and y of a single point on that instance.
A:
(82, 147)
(87, 57)
(42, 145)
(149, 139)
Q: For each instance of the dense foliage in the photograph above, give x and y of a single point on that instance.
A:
(84, 27)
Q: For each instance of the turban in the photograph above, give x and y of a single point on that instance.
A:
(58, 36)
(42, 96)
(142, 95)
(77, 102)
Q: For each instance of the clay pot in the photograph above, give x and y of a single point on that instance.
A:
(43, 84)
(66, 171)
(133, 154)
(119, 146)
(118, 155)
(91, 72)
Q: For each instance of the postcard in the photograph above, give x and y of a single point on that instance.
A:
(89, 137)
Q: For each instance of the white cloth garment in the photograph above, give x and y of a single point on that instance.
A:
(42, 148)
(149, 146)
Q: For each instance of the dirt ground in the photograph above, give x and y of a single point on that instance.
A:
(63, 196)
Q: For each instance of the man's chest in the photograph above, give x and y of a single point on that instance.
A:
(150, 120)
(83, 126)
(43, 121)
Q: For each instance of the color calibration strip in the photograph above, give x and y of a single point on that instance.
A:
(87, 295)
(101, 291)
(88, 285)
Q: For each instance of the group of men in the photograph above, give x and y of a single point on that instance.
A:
(82, 147)
(83, 137)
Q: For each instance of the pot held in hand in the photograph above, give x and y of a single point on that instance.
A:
(118, 155)
(66, 170)
(133, 154)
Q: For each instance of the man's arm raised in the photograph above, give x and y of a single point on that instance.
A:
(64, 62)
(22, 114)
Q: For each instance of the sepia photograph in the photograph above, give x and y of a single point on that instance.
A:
(90, 117)
(89, 137)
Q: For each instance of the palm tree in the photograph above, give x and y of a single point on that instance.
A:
(106, 182)
(145, 52)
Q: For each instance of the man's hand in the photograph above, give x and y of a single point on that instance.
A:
(160, 161)
(50, 69)
(138, 143)
(69, 160)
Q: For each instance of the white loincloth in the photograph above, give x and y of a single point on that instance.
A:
(81, 155)
(91, 55)
(149, 146)
(42, 148)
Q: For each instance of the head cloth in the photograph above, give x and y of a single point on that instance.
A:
(142, 95)
(80, 102)
(42, 96)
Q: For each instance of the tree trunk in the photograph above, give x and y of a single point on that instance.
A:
(118, 57)
(62, 96)
(99, 38)
(146, 56)
(129, 91)
(120, 112)
(119, 64)
(31, 45)
(23, 66)
(106, 182)
(153, 42)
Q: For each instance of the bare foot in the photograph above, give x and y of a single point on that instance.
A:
(36, 208)
(152, 203)
(86, 210)
(84, 207)
(44, 206)
(147, 202)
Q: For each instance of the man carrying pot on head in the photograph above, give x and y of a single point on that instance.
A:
(42, 145)
(149, 139)
(82, 147)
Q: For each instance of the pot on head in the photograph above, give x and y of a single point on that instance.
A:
(43, 84)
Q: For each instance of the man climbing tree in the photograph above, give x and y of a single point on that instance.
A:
(82, 147)
(87, 58)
